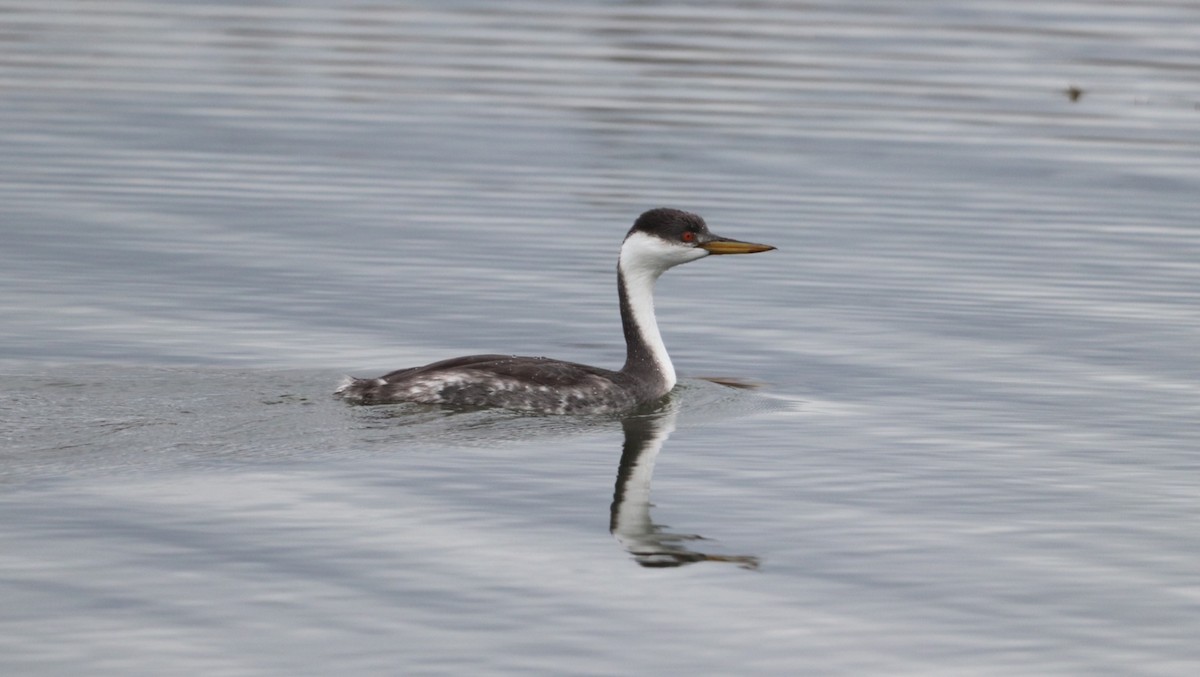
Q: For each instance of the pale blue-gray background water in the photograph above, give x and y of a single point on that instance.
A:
(974, 449)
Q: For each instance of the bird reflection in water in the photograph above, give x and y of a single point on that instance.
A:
(652, 545)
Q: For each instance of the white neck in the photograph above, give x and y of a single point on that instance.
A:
(640, 265)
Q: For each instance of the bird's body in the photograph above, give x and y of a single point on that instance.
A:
(659, 240)
(508, 381)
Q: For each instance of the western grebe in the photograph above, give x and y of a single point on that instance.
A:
(659, 240)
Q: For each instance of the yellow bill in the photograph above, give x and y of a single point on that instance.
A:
(722, 245)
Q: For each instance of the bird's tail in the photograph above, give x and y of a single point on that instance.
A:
(358, 390)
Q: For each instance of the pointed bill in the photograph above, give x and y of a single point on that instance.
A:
(724, 245)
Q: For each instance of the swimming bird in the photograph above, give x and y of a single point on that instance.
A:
(659, 240)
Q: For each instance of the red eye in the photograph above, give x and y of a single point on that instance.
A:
(687, 236)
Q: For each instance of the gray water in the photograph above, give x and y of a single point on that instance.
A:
(971, 447)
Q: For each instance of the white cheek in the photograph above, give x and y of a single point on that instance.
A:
(646, 255)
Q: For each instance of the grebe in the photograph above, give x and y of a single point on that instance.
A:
(659, 240)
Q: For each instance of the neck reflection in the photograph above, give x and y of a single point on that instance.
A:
(652, 545)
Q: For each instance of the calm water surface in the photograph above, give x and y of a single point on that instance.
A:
(973, 447)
